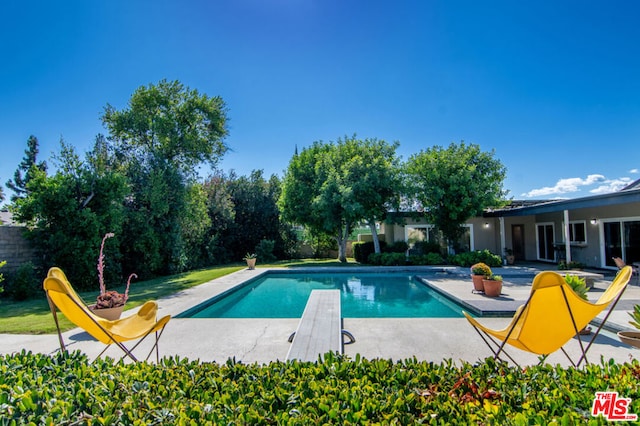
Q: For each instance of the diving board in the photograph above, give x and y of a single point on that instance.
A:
(320, 328)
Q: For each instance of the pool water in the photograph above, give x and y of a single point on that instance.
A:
(363, 295)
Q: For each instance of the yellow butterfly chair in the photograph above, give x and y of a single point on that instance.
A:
(552, 316)
(62, 296)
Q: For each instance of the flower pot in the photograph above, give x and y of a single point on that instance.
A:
(630, 338)
(108, 313)
(251, 263)
(477, 282)
(511, 259)
(492, 288)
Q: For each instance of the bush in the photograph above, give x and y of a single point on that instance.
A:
(264, 251)
(426, 259)
(469, 258)
(335, 391)
(24, 284)
(574, 264)
(397, 247)
(362, 250)
(426, 247)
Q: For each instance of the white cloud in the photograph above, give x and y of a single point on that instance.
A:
(633, 171)
(565, 186)
(611, 186)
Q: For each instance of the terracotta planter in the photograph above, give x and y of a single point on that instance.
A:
(108, 313)
(251, 263)
(630, 338)
(492, 288)
(511, 259)
(477, 282)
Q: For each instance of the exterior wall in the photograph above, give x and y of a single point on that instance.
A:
(15, 249)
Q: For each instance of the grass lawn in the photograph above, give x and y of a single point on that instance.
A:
(34, 317)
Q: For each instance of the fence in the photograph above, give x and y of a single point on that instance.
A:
(15, 249)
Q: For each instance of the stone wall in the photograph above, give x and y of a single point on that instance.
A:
(15, 249)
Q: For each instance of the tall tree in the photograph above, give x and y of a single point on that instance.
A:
(169, 122)
(27, 168)
(454, 184)
(69, 213)
(166, 131)
(370, 173)
(331, 187)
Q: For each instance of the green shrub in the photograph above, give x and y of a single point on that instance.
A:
(481, 269)
(574, 264)
(425, 247)
(335, 391)
(362, 250)
(397, 247)
(4, 262)
(426, 259)
(24, 284)
(387, 259)
(264, 251)
(577, 284)
(469, 258)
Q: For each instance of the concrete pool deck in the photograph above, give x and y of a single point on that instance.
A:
(429, 339)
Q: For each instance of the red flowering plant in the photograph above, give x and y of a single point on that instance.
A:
(109, 299)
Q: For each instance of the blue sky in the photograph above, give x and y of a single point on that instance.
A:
(552, 86)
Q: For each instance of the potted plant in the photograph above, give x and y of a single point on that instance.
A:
(632, 337)
(509, 256)
(492, 285)
(250, 258)
(479, 271)
(109, 304)
(579, 287)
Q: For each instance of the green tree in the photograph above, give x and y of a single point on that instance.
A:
(331, 187)
(454, 184)
(310, 195)
(166, 131)
(256, 214)
(169, 122)
(69, 213)
(28, 166)
(370, 179)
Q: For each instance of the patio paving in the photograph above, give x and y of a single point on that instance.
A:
(429, 339)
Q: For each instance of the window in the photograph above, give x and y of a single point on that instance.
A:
(577, 233)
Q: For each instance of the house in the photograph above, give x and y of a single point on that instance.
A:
(591, 230)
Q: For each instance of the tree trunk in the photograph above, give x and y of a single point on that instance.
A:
(342, 244)
(374, 235)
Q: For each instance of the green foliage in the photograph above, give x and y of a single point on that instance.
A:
(70, 211)
(635, 317)
(454, 184)
(331, 187)
(335, 391)
(27, 168)
(426, 259)
(255, 214)
(574, 264)
(396, 247)
(169, 122)
(2, 263)
(494, 277)
(387, 259)
(577, 284)
(264, 250)
(363, 249)
(23, 284)
(425, 247)
(472, 257)
(481, 268)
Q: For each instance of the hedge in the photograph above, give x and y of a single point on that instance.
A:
(68, 389)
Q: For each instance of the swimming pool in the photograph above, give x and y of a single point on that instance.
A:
(363, 295)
